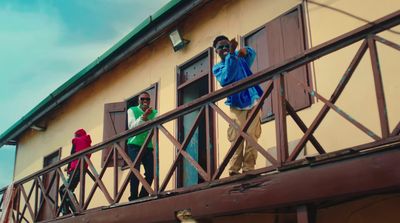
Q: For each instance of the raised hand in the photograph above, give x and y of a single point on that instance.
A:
(233, 44)
(147, 113)
(242, 52)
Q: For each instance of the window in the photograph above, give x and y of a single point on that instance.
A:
(275, 42)
(115, 120)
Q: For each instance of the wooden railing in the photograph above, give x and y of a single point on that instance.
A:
(34, 192)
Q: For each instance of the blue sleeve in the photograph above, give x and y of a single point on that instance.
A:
(226, 71)
(250, 56)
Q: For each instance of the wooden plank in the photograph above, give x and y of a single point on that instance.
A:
(245, 136)
(379, 90)
(45, 191)
(134, 170)
(27, 198)
(68, 192)
(93, 190)
(305, 214)
(242, 135)
(36, 198)
(182, 147)
(123, 187)
(367, 174)
(182, 152)
(99, 181)
(82, 182)
(115, 170)
(44, 194)
(280, 119)
(396, 130)
(335, 95)
(17, 203)
(304, 128)
(209, 140)
(386, 42)
(327, 102)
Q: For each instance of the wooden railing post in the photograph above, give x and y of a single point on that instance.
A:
(156, 161)
(306, 214)
(210, 165)
(380, 94)
(82, 182)
(115, 170)
(279, 107)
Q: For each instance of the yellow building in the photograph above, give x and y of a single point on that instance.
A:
(330, 159)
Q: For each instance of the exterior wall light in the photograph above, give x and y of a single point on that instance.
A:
(38, 128)
(177, 41)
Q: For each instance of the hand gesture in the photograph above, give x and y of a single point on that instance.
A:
(233, 44)
(242, 52)
(147, 113)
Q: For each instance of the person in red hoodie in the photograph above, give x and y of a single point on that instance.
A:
(80, 142)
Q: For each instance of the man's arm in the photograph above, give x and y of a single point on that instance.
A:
(249, 54)
(226, 71)
(132, 121)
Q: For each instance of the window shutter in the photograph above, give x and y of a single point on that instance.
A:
(293, 44)
(114, 123)
(258, 41)
(277, 41)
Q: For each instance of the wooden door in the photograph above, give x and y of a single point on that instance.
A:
(194, 81)
(46, 211)
(114, 123)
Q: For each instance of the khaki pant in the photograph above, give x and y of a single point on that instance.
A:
(246, 160)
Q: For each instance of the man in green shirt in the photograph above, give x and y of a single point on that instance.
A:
(138, 115)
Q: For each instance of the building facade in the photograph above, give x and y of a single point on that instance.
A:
(359, 95)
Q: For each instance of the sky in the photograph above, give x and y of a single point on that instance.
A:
(43, 43)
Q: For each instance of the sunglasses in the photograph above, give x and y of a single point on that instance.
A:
(145, 99)
(223, 47)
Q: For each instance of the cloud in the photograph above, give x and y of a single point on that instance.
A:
(35, 61)
(44, 43)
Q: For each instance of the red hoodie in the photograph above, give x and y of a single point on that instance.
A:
(80, 142)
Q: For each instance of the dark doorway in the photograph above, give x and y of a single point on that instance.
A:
(194, 81)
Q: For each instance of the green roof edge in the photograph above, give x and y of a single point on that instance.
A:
(137, 30)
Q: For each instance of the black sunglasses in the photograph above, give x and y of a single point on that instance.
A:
(145, 99)
(220, 47)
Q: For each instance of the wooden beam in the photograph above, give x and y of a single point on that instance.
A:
(366, 174)
(279, 107)
(305, 214)
(379, 89)
(334, 97)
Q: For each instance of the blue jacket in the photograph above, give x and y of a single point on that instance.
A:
(232, 69)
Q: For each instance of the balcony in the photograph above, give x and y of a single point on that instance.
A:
(374, 162)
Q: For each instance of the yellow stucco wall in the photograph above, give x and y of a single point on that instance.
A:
(157, 62)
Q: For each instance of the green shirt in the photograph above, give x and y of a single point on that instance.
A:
(139, 139)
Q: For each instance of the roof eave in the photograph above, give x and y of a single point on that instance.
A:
(150, 29)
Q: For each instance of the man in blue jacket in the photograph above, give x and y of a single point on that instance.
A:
(235, 66)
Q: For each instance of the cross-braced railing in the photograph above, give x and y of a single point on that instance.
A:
(36, 197)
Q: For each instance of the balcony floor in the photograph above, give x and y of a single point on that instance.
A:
(320, 182)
